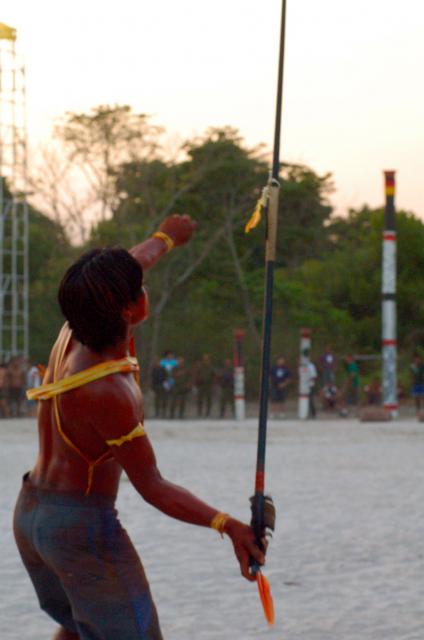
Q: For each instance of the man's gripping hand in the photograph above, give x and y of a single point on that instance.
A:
(178, 228)
(245, 547)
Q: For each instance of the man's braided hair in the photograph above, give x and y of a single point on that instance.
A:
(94, 292)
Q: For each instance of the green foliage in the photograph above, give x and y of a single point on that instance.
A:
(107, 134)
(343, 289)
(49, 255)
(304, 213)
(328, 273)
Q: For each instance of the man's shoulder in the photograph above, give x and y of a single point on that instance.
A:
(111, 402)
(116, 389)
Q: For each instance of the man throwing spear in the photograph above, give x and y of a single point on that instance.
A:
(85, 570)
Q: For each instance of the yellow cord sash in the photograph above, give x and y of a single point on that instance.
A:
(47, 391)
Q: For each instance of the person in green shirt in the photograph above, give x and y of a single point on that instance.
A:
(352, 382)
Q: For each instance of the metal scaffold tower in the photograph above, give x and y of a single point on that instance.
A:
(13, 205)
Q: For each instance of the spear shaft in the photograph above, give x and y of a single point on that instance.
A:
(271, 213)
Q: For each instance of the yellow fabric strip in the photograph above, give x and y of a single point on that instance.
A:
(47, 391)
(137, 432)
(255, 218)
(6, 32)
(62, 343)
(257, 214)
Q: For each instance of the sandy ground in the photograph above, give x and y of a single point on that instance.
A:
(347, 558)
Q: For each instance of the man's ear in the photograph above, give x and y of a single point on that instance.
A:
(136, 311)
(144, 302)
(127, 315)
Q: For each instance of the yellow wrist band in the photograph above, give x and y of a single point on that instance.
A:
(218, 522)
(166, 239)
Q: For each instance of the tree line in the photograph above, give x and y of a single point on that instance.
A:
(110, 178)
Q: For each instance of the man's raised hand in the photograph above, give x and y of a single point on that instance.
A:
(179, 228)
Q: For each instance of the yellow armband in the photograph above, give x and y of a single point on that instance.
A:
(218, 522)
(166, 239)
(137, 432)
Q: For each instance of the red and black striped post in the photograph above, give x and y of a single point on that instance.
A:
(389, 341)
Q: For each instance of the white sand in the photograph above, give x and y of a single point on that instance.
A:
(346, 561)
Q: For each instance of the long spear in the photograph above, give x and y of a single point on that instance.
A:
(269, 202)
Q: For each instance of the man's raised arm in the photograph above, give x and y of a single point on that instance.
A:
(174, 231)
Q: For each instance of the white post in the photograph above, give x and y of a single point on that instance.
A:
(239, 397)
(388, 341)
(305, 349)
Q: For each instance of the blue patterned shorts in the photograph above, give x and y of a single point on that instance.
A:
(84, 568)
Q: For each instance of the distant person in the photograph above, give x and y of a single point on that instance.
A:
(328, 396)
(372, 392)
(33, 381)
(332, 399)
(352, 381)
(16, 379)
(168, 362)
(226, 386)
(281, 377)
(182, 385)
(327, 364)
(158, 377)
(204, 381)
(312, 379)
(4, 392)
(417, 375)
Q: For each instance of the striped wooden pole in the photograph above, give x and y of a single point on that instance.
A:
(239, 397)
(305, 350)
(389, 333)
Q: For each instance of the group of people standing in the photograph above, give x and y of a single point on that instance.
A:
(16, 376)
(173, 382)
(321, 380)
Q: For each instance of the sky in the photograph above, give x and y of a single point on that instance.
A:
(353, 89)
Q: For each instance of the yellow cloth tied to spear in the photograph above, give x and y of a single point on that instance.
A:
(257, 214)
(6, 32)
